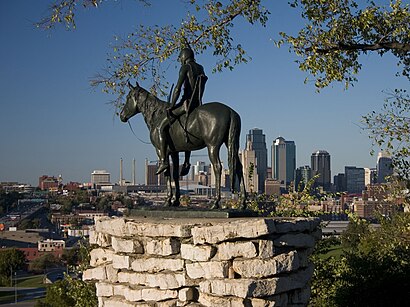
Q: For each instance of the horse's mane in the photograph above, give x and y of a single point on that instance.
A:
(154, 108)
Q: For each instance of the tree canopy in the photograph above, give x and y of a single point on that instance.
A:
(327, 47)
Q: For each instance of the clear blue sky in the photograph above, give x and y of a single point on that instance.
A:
(52, 122)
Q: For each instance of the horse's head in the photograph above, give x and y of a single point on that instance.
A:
(131, 107)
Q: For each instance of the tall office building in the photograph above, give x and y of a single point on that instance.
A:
(150, 177)
(255, 141)
(302, 176)
(100, 177)
(384, 166)
(370, 176)
(320, 164)
(354, 177)
(283, 160)
(250, 170)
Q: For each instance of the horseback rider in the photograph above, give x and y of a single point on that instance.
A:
(192, 76)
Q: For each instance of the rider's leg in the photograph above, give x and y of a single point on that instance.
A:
(162, 151)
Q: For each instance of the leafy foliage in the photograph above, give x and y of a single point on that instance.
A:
(373, 271)
(390, 128)
(338, 31)
(10, 260)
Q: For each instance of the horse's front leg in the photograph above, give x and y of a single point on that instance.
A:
(175, 176)
(213, 152)
(167, 174)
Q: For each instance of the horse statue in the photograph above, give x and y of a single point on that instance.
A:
(209, 125)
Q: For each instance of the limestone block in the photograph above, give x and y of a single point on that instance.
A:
(104, 289)
(133, 295)
(156, 229)
(119, 302)
(121, 261)
(208, 270)
(97, 273)
(229, 250)
(196, 253)
(113, 226)
(120, 289)
(300, 240)
(280, 300)
(163, 247)
(317, 234)
(112, 274)
(100, 256)
(127, 246)
(219, 301)
(256, 268)
(249, 287)
(152, 265)
(160, 280)
(303, 256)
(286, 225)
(242, 228)
(101, 239)
(266, 249)
(157, 295)
(187, 294)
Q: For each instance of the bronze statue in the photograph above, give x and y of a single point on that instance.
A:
(193, 77)
(209, 125)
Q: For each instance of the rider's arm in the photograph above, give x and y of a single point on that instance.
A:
(177, 89)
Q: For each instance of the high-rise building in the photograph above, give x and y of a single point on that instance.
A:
(248, 159)
(384, 166)
(255, 141)
(320, 164)
(302, 176)
(370, 176)
(100, 177)
(283, 160)
(339, 182)
(150, 177)
(354, 177)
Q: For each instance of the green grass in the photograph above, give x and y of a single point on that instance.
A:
(335, 251)
(31, 281)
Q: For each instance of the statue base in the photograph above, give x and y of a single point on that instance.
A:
(189, 212)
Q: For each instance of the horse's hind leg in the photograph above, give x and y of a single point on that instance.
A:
(175, 176)
(213, 152)
(167, 174)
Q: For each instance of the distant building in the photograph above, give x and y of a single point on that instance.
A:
(48, 182)
(255, 141)
(320, 164)
(283, 160)
(100, 177)
(370, 176)
(272, 187)
(250, 169)
(150, 177)
(339, 182)
(50, 245)
(302, 176)
(354, 177)
(384, 167)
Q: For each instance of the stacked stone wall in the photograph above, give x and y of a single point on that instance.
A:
(257, 262)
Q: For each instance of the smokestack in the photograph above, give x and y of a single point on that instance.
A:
(133, 171)
(121, 175)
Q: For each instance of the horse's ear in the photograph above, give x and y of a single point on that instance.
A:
(130, 86)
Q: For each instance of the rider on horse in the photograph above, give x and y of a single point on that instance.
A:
(193, 77)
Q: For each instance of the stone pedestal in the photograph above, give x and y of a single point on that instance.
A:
(202, 262)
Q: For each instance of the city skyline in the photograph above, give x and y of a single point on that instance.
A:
(54, 123)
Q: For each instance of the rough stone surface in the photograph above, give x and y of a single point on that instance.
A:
(196, 253)
(258, 262)
(265, 268)
(163, 247)
(208, 270)
(229, 250)
(153, 265)
(243, 228)
(126, 246)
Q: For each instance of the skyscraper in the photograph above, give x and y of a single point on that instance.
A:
(302, 176)
(283, 160)
(354, 177)
(384, 166)
(255, 141)
(320, 164)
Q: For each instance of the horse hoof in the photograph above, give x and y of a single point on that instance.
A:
(175, 204)
(168, 203)
(215, 205)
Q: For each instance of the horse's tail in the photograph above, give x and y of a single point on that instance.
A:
(235, 166)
